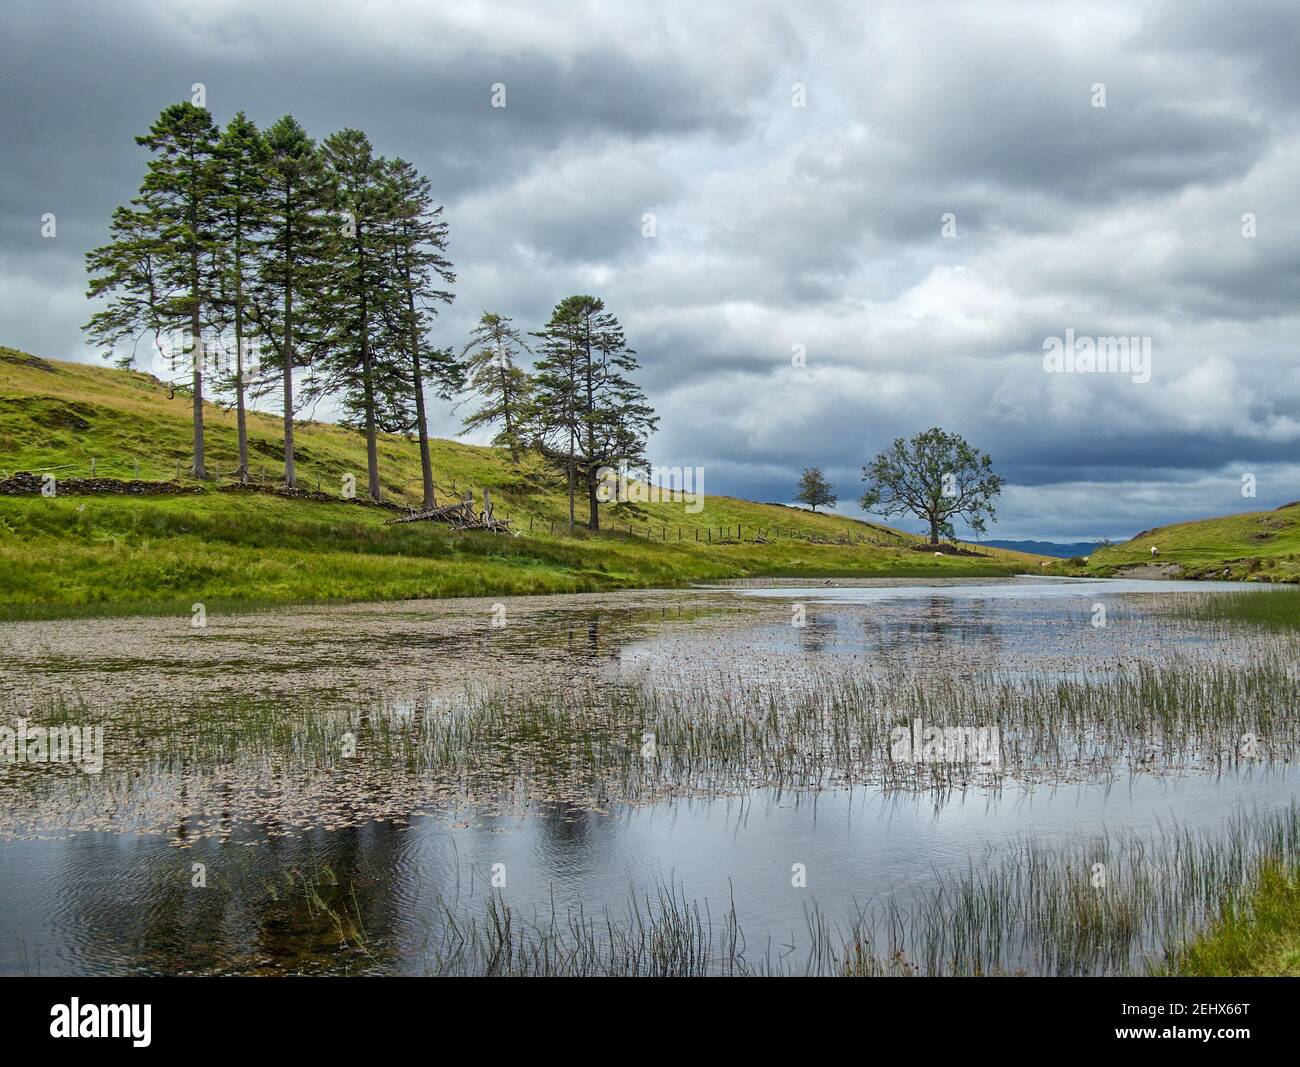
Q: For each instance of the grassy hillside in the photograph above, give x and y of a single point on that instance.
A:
(1257, 545)
(106, 554)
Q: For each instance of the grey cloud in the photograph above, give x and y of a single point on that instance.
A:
(779, 225)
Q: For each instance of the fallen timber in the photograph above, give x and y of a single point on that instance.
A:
(460, 516)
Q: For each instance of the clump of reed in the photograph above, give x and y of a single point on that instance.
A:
(635, 744)
(1109, 905)
(1276, 609)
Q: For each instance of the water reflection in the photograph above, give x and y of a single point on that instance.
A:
(368, 898)
(312, 862)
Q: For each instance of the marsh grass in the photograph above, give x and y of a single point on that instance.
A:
(1032, 909)
(1276, 610)
(326, 898)
(637, 744)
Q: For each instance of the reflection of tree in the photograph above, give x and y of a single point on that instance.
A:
(591, 647)
(941, 620)
(567, 830)
(130, 905)
(339, 905)
(814, 635)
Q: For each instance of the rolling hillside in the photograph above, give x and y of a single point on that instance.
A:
(1252, 546)
(80, 554)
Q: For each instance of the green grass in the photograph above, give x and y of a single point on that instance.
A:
(1258, 937)
(1253, 546)
(93, 555)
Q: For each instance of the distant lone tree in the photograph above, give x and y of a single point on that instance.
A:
(814, 489)
(935, 476)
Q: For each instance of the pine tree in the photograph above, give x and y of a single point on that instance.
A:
(584, 390)
(131, 269)
(159, 265)
(501, 388)
(361, 294)
(293, 260)
(556, 413)
(242, 158)
(419, 238)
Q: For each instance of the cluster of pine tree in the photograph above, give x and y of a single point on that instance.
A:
(329, 262)
(578, 406)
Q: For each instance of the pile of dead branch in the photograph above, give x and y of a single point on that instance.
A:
(461, 515)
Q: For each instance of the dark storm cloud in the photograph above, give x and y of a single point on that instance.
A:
(777, 226)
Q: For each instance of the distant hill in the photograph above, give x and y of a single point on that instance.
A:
(1061, 550)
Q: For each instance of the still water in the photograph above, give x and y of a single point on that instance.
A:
(253, 848)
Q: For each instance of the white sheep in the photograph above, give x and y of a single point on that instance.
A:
(1154, 551)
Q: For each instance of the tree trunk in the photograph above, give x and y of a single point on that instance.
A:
(593, 505)
(593, 512)
(571, 447)
(241, 420)
(196, 352)
(372, 445)
(934, 530)
(426, 462)
(290, 469)
(505, 405)
(368, 378)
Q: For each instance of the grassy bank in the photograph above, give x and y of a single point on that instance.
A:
(84, 555)
(1256, 934)
(1254, 546)
(1258, 937)
(95, 555)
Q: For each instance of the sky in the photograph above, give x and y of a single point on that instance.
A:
(823, 226)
